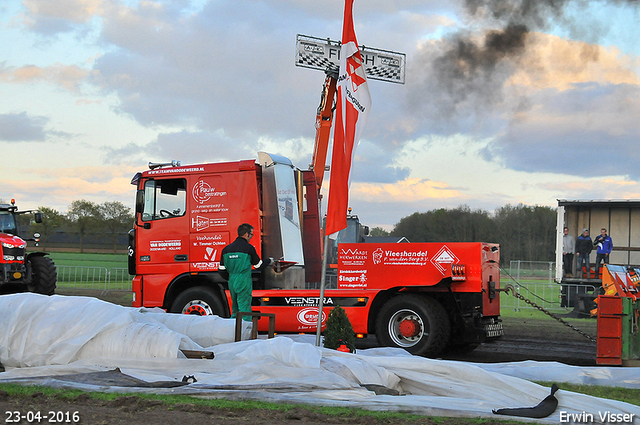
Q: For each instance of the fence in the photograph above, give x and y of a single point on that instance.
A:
(532, 270)
(534, 280)
(80, 277)
(550, 296)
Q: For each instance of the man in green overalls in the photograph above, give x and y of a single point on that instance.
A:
(236, 259)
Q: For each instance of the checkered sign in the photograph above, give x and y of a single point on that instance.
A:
(318, 53)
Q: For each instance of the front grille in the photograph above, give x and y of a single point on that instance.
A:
(15, 254)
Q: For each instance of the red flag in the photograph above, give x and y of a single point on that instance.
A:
(353, 104)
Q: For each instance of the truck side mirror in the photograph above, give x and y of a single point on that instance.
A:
(38, 217)
(139, 201)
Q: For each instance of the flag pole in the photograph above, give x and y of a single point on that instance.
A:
(322, 286)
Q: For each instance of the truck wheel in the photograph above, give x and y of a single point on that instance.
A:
(44, 276)
(419, 325)
(198, 300)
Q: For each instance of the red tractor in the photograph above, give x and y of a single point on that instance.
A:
(19, 271)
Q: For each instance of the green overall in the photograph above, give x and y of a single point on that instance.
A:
(238, 265)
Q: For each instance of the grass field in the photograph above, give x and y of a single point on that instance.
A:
(246, 410)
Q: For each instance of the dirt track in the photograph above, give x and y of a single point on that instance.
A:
(538, 339)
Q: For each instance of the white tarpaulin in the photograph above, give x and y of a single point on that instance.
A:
(78, 342)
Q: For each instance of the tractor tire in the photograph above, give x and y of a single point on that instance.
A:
(420, 325)
(44, 276)
(200, 301)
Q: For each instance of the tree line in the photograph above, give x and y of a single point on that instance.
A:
(523, 232)
(111, 219)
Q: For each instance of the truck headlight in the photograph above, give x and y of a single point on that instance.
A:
(8, 257)
(10, 245)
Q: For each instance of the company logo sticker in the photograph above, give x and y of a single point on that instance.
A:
(358, 281)
(165, 245)
(401, 257)
(202, 192)
(211, 265)
(377, 256)
(444, 258)
(305, 301)
(210, 254)
(201, 223)
(353, 257)
(309, 316)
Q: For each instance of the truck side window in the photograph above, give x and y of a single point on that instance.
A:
(164, 199)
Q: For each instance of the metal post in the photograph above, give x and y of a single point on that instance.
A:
(322, 285)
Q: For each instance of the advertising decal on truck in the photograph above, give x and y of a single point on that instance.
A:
(365, 266)
(206, 249)
(165, 245)
(444, 258)
(308, 318)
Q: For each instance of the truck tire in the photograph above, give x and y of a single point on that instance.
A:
(420, 325)
(44, 276)
(198, 300)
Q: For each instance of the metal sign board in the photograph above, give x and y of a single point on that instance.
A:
(323, 53)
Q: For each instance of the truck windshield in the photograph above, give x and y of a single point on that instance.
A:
(164, 199)
(7, 223)
(349, 234)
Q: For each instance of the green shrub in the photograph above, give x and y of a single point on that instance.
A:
(339, 330)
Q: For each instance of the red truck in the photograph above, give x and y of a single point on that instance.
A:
(424, 297)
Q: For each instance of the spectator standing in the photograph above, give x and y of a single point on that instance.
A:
(605, 245)
(568, 249)
(584, 246)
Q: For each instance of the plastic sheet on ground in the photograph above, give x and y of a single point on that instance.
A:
(83, 343)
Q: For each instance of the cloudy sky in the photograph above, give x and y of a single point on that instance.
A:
(504, 102)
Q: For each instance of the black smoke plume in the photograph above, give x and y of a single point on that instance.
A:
(465, 73)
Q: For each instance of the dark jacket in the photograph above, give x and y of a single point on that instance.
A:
(584, 245)
(605, 245)
(239, 245)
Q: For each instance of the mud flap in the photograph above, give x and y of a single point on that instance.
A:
(545, 408)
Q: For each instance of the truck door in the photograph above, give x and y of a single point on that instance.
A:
(210, 207)
(162, 239)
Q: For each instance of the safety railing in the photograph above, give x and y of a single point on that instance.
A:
(551, 296)
(532, 270)
(81, 277)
